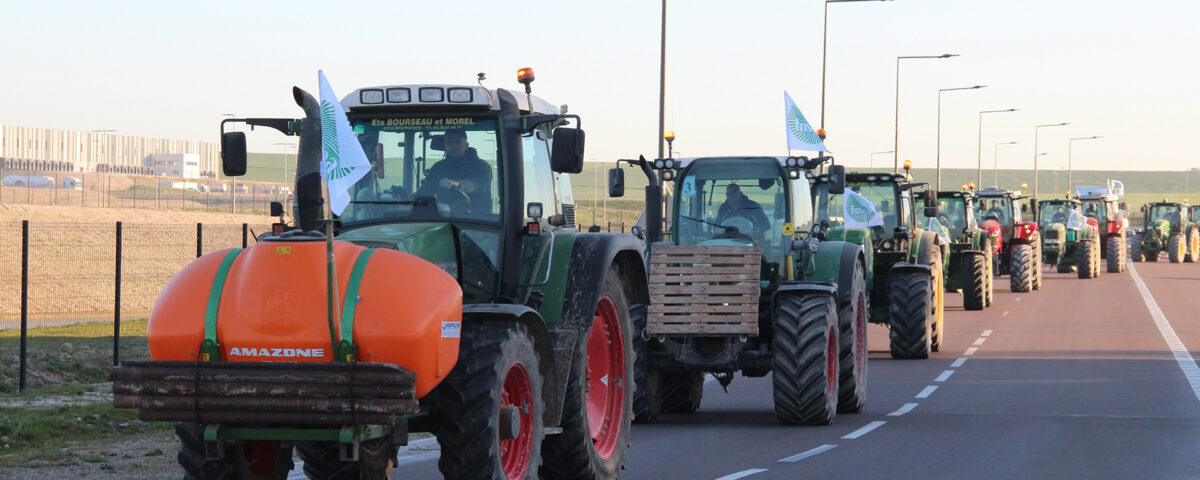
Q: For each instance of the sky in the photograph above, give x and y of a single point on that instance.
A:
(1127, 71)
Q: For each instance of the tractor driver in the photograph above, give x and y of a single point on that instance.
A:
(461, 179)
(737, 204)
(996, 212)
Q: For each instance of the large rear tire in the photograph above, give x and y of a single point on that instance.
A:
(1086, 257)
(1021, 272)
(497, 367)
(975, 290)
(255, 460)
(1193, 246)
(1175, 248)
(1113, 260)
(1135, 250)
(937, 324)
(910, 315)
(646, 402)
(804, 359)
(598, 408)
(1037, 264)
(991, 279)
(852, 348)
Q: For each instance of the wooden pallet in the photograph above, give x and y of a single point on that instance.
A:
(704, 290)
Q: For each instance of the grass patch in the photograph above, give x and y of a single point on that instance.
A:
(80, 353)
(43, 434)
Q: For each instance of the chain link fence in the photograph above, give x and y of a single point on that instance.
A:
(88, 289)
(141, 191)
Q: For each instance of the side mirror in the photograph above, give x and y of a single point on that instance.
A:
(930, 199)
(566, 155)
(1143, 209)
(1025, 208)
(1123, 206)
(616, 182)
(276, 209)
(233, 153)
(837, 179)
(930, 212)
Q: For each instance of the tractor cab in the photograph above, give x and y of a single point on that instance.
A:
(880, 202)
(1061, 221)
(955, 213)
(1166, 217)
(1195, 215)
(1001, 211)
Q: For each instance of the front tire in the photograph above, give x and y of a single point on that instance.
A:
(804, 359)
(1021, 273)
(1135, 250)
(1193, 246)
(681, 392)
(598, 408)
(1113, 259)
(1037, 264)
(911, 314)
(852, 348)
(975, 291)
(646, 402)
(1086, 258)
(322, 460)
(252, 460)
(497, 367)
(1175, 248)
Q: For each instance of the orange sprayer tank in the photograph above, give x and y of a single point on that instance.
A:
(273, 308)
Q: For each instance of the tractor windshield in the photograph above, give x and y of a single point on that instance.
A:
(952, 213)
(427, 168)
(1195, 214)
(720, 201)
(1169, 213)
(996, 208)
(1054, 213)
(1096, 209)
(882, 197)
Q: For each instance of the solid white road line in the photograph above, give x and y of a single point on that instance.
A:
(864, 430)
(944, 376)
(958, 363)
(743, 473)
(1182, 356)
(927, 391)
(908, 407)
(970, 351)
(1005, 314)
(801, 456)
(986, 333)
(979, 341)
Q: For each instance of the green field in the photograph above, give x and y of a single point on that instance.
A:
(590, 187)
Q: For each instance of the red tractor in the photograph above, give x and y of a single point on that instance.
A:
(1106, 205)
(1017, 244)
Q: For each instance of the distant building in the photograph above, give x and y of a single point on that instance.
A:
(186, 165)
(32, 149)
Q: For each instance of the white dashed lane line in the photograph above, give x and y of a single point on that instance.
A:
(979, 341)
(908, 407)
(864, 430)
(970, 351)
(1005, 314)
(986, 333)
(944, 376)
(927, 391)
(1018, 299)
(958, 363)
(803, 455)
(743, 473)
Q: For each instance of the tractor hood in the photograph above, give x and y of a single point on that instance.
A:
(1161, 227)
(434, 242)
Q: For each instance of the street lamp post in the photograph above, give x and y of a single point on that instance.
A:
(979, 158)
(825, 49)
(1036, 155)
(1070, 170)
(873, 154)
(283, 161)
(896, 132)
(662, 78)
(939, 129)
(996, 162)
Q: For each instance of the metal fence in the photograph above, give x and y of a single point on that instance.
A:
(140, 191)
(77, 296)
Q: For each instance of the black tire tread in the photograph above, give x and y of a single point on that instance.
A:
(798, 357)
(1021, 272)
(852, 380)
(909, 333)
(1175, 248)
(975, 288)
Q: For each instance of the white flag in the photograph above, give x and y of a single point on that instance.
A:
(858, 212)
(343, 161)
(940, 230)
(800, 135)
(1076, 221)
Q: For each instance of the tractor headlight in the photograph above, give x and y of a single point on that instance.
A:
(814, 245)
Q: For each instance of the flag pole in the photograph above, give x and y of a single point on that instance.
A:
(330, 272)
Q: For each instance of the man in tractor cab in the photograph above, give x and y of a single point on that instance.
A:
(461, 178)
(737, 204)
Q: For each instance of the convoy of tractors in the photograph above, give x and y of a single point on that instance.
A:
(460, 300)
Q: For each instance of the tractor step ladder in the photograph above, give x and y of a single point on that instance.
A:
(704, 290)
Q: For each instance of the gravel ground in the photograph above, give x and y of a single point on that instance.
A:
(146, 458)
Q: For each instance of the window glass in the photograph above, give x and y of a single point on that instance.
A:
(830, 207)
(952, 214)
(539, 180)
(732, 200)
(996, 208)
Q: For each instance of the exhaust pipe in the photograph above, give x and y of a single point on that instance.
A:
(309, 200)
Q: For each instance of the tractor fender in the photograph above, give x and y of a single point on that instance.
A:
(834, 260)
(796, 288)
(910, 268)
(502, 313)
(591, 257)
(923, 247)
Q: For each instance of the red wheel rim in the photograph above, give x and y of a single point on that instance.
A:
(831, 371)
(605, 377)
(518, 392)
(261, 458)
(860, 336)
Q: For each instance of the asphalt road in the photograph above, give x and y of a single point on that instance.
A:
(1079, 380)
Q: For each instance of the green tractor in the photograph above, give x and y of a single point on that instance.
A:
(1168, 227)
(1106, 204)
(746, 284)
(904, 278)
(473, 309)
(1017, 246)
(969, 248)
(1069, 239)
